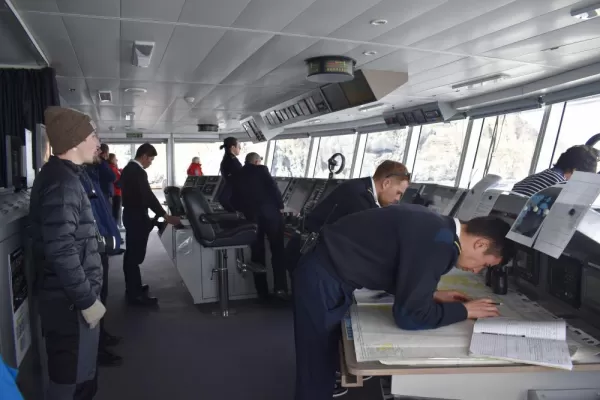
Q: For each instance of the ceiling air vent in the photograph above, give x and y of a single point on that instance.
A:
(105, 96)
(330, 69)
(142, 53)
(208, 128)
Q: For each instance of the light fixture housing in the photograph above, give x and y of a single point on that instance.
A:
(379, 22)
(585, 13)
(369, 53)
(371, 107)
(474, 83)
(136, 90)
(129, 116)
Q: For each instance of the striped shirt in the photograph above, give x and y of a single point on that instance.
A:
(536, 182)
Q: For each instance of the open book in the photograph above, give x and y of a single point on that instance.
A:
(530, 342)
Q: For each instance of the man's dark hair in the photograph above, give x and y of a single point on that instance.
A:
(104, 148)
(389, 169)
(578, 158)
(228, 143)
(493, 229)
(146, 150)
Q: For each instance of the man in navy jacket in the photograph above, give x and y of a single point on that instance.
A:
(106, 176)
(255, 193)
(402, 249)
(108, 229)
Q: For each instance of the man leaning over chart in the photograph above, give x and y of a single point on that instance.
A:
(403, 250)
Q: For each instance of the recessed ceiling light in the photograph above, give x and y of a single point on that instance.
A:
(129, 116)
(369, 53)
(371, 107)
(71, 90)
(378, 22)
(316, 121)
(136, 90)
(585, 13)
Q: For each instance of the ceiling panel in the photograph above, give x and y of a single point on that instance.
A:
(96, 85)
(54, 40)
(516, 33)
(571, 34)
(187, 48)
(36, 5)
(270, 15)
(157, 10)
(325, 16)
(569, 61)
(274, 53)
(74, 91)
(399, 60)
(494, 21)
(231, 51)
(357, 53)
(561, 56)
(164, 93)
(109, 113)
(16, 47)
(432, 62)
(396, 12)
(106, 8)
(462, 64)
(421, 27)
(148, 32)
(150, 114)
(219, 96)
(208, 12)
(96, 44)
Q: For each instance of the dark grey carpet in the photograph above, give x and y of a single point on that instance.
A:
(181, 352)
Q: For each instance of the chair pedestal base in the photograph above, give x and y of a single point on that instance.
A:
(223, 284)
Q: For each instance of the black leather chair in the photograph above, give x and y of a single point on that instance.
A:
(173, 198)
(218, 231)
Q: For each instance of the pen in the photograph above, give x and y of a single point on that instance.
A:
(498, 304)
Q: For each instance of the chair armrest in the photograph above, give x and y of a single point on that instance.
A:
(215, 218)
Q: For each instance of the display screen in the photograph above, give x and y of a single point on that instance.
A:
(525, 267)
(247, 128)
(410, 119)
(279, 116)
(298, 109)
(275, 118)
(358, 91)
(300, 193)
(401, 119)
(319, 101)
(254, 127)
(591, 288)
(564, 279)
(335, 97)
(338, 66)
(304, 107)
(284, 114)
(331, 185)
(432, 115)
(409, 195)
(209, 189)
(311, 105)
(269, 119)
(419, 116)
(282, 185)
(292, 111)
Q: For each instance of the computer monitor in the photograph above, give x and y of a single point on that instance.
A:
(409, 195)
(444, 199)
(331, 185)
(300, 193)
(282, 184)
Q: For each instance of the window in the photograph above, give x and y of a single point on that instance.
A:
(438, 152)
(123, 152)
(507, 145)
(290, 157)
(328, 146)
(259, 148)
(210, 158)
(388, 145)
(580, 122)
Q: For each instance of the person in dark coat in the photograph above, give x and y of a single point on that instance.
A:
(230, 166)
(65, 250)
(108, 229)
(138, 198)
(257, 196)
(106, 175)
(403, 250)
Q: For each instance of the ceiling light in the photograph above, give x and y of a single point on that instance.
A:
(316, 121)
(371, 107)
(369, 53)
(378, 22)
(472, 84)
(129, 116)
(71, 90)
(136, 90)
(586, 13)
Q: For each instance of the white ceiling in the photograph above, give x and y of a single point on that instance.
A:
(238, 57)
(17, 50)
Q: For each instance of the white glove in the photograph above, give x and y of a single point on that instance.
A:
(94, 314)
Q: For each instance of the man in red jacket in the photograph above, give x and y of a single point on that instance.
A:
(195, 168)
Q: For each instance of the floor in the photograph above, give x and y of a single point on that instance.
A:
(182, 352)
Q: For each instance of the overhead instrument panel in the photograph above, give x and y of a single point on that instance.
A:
(424, 114)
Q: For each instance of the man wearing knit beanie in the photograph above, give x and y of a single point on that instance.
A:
(68, 266)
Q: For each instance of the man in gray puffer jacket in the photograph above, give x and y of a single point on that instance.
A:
(68, 265)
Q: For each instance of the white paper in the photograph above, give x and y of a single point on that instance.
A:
(534, 214)
(549, 353)
(576, 197)
(366, 297)
(473, 197)
(554, 329)
(486, 203)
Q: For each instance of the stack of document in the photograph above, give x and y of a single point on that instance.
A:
(530, 342)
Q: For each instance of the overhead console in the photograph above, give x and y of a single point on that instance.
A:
(423, 114)
(366, 87)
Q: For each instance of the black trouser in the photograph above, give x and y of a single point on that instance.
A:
(292, 252)
(72, 349)
(270, 225)
(103, 294)
(116, 209)
(137, 230)
(321, 301)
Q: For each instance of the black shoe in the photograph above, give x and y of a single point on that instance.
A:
(145, 288)
(282, 295)
(109, 340)
(108, 359)
(339, 390)
(143, 301)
